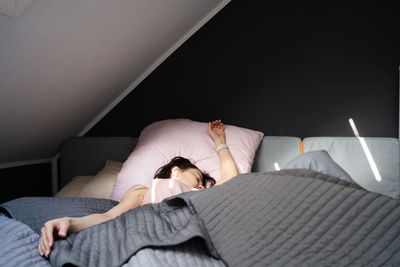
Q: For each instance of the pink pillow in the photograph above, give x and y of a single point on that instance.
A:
(160, 141)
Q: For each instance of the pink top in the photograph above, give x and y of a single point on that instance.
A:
(163, 188)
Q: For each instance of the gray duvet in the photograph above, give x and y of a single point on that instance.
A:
(286, 218)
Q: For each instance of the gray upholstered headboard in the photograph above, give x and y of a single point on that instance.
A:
(87, 155)
(373, 162)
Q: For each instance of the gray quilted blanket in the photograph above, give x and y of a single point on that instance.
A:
(300, 218)
(286, 218)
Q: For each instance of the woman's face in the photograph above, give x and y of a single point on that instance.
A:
(192, 177)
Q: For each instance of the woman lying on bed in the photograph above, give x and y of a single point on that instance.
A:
(176, 177)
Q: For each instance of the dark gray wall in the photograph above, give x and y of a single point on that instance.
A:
(298, 68)
(32, 180)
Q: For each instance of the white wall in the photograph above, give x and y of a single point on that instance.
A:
(62, 62)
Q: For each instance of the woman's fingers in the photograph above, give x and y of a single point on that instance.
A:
(63, 229)
(43, 249)
(40, 247)
(44, 243)
(216, 123)
(49, 228)
(209, 128)
(48, 233)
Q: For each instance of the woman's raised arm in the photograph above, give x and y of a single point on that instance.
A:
(227, 163)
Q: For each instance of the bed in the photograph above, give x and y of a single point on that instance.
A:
(273, 216)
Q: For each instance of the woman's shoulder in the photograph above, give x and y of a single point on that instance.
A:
(163, 188)
(170, 184)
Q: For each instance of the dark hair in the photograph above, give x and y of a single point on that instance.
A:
(164, 172)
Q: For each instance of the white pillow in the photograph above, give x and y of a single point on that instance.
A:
(160, 141)
(102, 185)
(74, 187)
(99, 186)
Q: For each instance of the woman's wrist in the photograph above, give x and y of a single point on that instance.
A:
(219, 141)
(221, 146)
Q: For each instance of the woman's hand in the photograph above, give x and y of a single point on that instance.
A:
(217, 132)
(58, 227)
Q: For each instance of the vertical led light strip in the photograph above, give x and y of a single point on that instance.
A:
(364, 146)
(276, 166)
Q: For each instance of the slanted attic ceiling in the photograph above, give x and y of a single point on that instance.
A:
(63, 64)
